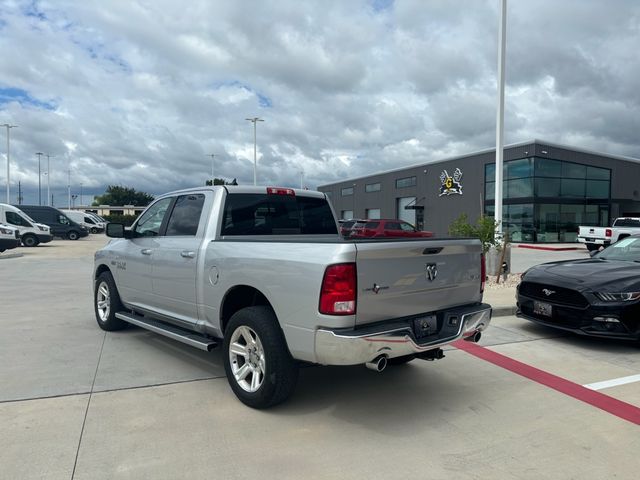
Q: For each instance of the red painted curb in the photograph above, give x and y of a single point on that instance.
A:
(616, 407)
(552, 249)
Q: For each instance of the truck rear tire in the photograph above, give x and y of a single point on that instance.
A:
(592, 246)
(73, 235)
(259, 367)
(30, 240)
(106, 302)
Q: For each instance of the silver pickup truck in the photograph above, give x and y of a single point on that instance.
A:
(263, 272)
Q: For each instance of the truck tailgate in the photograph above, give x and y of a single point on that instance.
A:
(592, 232)
(404, 278)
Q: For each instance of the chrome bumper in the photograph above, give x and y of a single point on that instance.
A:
(396, 338)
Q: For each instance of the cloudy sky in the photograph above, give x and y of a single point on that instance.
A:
(139, 92)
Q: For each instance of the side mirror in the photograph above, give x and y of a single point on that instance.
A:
(115, 230)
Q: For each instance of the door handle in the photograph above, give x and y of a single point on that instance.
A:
(187, 254)
(146, 251)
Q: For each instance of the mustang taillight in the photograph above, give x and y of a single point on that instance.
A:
(339, 290)
(483, 273)
(608, 232)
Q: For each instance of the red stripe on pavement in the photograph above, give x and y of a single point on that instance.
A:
(599, 400)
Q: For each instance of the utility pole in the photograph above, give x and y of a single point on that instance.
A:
(48, 181)
(39, 154)
(69, 186)
(212, 155)
(9, 127)
(254, 120)
(81, 195)
(19, 193)
(502, 39)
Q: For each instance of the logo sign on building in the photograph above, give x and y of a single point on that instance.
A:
(451, 184)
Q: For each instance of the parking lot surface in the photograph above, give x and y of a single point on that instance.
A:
(77, 402)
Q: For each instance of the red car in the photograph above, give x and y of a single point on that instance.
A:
(388, 228)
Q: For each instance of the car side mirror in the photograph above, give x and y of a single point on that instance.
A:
(115, 230)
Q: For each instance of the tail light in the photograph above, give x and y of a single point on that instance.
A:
(483, 273)
(281, 191)
(608, 232)
(339, 290)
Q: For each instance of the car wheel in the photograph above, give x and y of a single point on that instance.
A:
(401, 360)
(259, 367)
(73, 235)
(93, 230)
(30, 241)
(592, 247)
(107, 302)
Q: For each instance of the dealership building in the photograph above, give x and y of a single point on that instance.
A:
(548, 191)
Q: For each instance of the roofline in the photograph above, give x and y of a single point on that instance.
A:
(487, 150)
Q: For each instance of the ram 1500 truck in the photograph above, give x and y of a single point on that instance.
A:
(596, 237)
(263, 272)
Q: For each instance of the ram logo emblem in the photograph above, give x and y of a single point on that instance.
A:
(432, 271)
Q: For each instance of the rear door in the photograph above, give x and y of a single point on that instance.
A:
(408, 277)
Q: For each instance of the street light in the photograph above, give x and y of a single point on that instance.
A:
(48, 181)
(8, 159)
(254, 120)
(212, 155)
(39, 154)
(81, 199)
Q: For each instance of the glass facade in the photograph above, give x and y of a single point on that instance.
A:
(545, 200)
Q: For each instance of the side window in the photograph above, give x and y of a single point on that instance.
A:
(407, 228)
(150, 222)
(371, 225)
(393, 226)
(15, 219)
(63, 220)
(89, 220)
(185, 217)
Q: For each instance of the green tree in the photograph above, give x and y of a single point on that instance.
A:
(484, 229)
(118, 195)
(220, 181)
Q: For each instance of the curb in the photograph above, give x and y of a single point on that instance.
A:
(551, 249)
(504, 311)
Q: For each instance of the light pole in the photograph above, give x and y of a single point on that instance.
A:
(9, 126)
(39, 154)
(81, 199)
(502, 39)
(212, 177)
(48, 181)
(254, 120)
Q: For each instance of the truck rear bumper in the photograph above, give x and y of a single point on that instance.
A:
(595, 241)
(396, 338)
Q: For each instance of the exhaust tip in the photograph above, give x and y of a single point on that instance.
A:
(377, 364)
(475, 338)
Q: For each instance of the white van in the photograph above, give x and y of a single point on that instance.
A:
(9, 237)
(99, 220)
(31, 232)
(85, 220)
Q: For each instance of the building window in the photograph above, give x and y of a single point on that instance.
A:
(346, 214)
(373, 213)
(347, 191)
(406, 182)
(372, 187)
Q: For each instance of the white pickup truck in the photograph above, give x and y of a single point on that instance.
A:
(263, 272)
(596, 237)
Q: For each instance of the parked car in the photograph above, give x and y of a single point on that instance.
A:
(596, 237)
(388, 228)
(86, 220)
(58, 222)
(31, 232)
(346, 226)
(262, 272)
(9, 237)
(599, 296)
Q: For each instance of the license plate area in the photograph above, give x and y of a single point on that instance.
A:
(542, 308)
(424, 326)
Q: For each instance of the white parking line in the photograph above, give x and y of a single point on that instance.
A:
(613, 383)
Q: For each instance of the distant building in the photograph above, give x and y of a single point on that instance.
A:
(548, 190)
(104, 210)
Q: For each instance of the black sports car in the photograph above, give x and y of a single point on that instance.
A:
(599, 296)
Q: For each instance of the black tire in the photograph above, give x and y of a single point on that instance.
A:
(280, 369)
(73, 235)
(592, 247)
(93, 230)
(401, 360)
(106, 318)
(30, 240)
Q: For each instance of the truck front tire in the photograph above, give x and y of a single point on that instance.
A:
(592, 247)
(106, 302)
(259, 367)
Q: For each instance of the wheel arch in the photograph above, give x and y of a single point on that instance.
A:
(100, 270)
(239, 297)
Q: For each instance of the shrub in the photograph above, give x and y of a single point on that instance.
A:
(127, 220)
(484, 229)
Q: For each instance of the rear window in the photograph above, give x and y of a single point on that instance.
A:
(371, 225)
(627, 222)
(260, 214)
